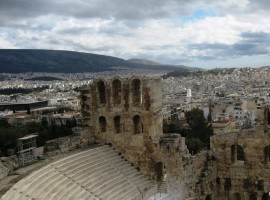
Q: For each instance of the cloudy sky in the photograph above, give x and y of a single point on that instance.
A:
(199, 33)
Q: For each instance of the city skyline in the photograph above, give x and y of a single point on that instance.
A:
(204, 34)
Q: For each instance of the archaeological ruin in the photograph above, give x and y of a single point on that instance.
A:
(126, 113)
(123, 116)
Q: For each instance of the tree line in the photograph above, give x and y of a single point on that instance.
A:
(9, 134)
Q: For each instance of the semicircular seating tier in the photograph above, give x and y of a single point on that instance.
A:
(95, 174)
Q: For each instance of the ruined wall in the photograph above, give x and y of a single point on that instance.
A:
(126, 112)
(187, 176)
(62, 145)
(7, 165)
(3, 171)
(242, 164)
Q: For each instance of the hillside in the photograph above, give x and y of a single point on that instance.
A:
(30, 60)
(143, 61)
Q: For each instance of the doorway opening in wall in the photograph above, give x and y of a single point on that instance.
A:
(160, 171)
(117, 124)
(136, 92)
(116, 91)
(102, 92)
(102, 124)
(137, 124)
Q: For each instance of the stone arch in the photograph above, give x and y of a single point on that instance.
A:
(136, 92)
(116, 85)
(266, 154)
(137, 125)
(101, 92)
(117, 124)
(208, 197)
(102, 124)
(236, 196)
(265, 196)
(253, 196)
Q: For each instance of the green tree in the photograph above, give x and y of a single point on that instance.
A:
(199, 131)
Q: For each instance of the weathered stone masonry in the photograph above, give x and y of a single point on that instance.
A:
(126, 113)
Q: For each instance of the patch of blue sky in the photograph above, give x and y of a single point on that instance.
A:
(200, 14)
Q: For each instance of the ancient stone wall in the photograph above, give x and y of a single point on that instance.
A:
(126, 113)
(242, 164)
(7, 165)
(62, 145)
(3, 171)
(187, 176)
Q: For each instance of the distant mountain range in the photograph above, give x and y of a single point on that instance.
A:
(143, 61)
(30, 60)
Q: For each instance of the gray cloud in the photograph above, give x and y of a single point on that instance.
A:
(256, 37)
(122, 28)
(251, 44)
(75, 31)
(260, 4)
(117, 9)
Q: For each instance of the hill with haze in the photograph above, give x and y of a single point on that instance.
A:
(143, 61)
(32, 60)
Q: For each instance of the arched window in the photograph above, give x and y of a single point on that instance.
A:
(136, 92)
(102, 124)
(236, 196)
(117, 124)
(266, 154)
(237, 153)
(116, 91)
(240, 153)
(137, 124)
(101, 92)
